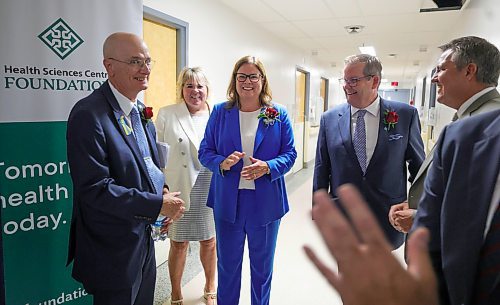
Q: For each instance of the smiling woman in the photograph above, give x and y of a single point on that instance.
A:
(248, 146)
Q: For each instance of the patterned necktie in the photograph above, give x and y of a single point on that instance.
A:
(487, 290)
(153, 171)
(359, 139)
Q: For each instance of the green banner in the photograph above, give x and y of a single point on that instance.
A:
(36, 195)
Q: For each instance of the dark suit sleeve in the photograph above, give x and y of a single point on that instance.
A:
(322, 165)
(429, 213)
(415, 153)
(96, 185)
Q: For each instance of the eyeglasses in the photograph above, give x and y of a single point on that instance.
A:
(353, 82)
(241, 77)
(137, 63)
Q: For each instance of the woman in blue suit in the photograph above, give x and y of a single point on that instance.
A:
(249, 146)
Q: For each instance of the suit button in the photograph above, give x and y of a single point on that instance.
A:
(185, 165)
(180, 139)
(183, 153)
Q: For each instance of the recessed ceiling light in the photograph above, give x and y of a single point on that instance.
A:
(368, 50)
(354, 29)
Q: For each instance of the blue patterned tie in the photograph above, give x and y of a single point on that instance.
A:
(359, 139)
(487, 290)
(153, 171)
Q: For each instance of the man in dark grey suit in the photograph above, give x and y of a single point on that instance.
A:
(118, 190)
(460, 208)
(466, 76)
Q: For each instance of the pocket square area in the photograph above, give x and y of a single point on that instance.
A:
(394, 137)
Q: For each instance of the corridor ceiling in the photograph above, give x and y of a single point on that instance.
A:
(405, 39)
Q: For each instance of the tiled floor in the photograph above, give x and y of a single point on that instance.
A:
(295, 279)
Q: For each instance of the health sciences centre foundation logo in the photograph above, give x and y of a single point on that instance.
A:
(60, 38)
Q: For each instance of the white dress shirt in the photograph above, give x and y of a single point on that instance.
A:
(125, 104)
(248, 129)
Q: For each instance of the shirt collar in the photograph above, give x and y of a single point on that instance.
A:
(472, 99)
(126, 105)
(373, 108)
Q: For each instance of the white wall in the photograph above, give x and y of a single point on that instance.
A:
(478, 18)
(218, 37)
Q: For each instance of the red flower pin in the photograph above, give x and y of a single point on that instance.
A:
(147, 114)
(269, 115)
(390, 119)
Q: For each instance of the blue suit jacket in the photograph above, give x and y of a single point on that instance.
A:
(384, 182)
(113, 197)
(457, 195)
(273, 144)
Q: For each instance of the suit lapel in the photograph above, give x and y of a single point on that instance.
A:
(345, 130)
(425, 165)
(150, 131)
(261, 132)
(233, 123)
(382, 139)
(186, 123)
(151, 135)
(483, 99)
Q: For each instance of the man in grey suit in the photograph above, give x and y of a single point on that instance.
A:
(466, 76)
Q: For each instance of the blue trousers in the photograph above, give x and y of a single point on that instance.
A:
(261, 247)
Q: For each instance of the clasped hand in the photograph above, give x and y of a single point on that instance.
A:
(173, 206)
(401, 217)
(257, 169)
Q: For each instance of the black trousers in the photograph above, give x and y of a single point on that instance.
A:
(141, 293)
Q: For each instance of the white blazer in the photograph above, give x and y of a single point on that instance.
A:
(174, 126)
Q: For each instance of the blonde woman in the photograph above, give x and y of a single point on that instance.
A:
(182, 126)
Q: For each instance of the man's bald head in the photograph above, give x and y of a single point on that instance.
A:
(125, 56)
(117, 41)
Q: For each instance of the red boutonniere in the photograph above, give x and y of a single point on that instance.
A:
(146, 114)
(390, 119)
(269, 115)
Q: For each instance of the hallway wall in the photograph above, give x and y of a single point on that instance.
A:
(218, 37)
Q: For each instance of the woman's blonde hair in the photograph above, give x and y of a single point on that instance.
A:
(191, 74)
(265, 96)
